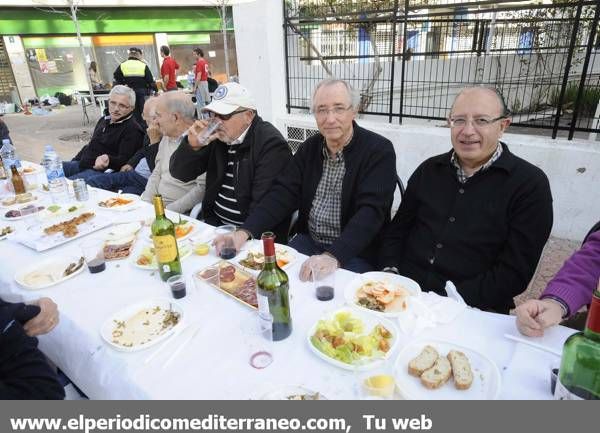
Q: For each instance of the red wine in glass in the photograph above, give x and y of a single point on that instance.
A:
(96, 265)
(227, 253)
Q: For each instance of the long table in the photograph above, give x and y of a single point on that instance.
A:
(214, 364)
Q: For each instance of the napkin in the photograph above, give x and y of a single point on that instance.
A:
(429, 310)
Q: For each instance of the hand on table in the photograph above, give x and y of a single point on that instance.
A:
(195, 138)
(239, 239)
(101, 162)
(322, 263)
(45, 321)
(533, 316)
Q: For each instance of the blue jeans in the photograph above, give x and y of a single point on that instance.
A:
(73, 171)
(306, 245)
(130, 182)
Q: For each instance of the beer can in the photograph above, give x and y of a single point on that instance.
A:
(80, 190)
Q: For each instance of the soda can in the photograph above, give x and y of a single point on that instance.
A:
(80, 190)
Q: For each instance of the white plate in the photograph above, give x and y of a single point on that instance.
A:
(123, 315)
(257, 247)
(135, 199)
(124, 230)
(369, 321)
(53, 266)
(3, 213)
(393, 279)
(191, 233)
(186, 253)
(62, 211)
(285, 391)
(17, 205)
(486, 376)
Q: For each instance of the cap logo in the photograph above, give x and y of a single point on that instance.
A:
(220, 93)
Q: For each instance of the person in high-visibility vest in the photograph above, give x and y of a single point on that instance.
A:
(136, 74)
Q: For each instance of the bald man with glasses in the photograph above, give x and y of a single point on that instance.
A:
(478, 215)
(240, 158)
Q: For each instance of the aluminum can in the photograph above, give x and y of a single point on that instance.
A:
(80, 190)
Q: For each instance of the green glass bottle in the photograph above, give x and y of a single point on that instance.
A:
(165, 244)
(272, 289)
(579, 374)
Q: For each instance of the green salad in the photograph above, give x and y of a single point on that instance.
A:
(343, 338)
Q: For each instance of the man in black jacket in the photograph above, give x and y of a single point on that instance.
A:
(24, 371)
(136, 74)
(133, 176)
(116, 138)
(478, 215)
(342, 182)
(240, 159)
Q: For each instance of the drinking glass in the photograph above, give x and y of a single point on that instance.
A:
(177, 285)
(257, 332)
(378, 383)
(323, 280)
(228, 250)
(93, 253)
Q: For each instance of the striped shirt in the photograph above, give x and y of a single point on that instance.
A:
(227, 208)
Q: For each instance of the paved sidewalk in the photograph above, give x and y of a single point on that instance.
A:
(64, 129)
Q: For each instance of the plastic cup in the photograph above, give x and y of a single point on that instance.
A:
(376, 384)
(323, 282)
(257, 332)
(93, 253)
(210, 129)
(177, 285)
(228, 250)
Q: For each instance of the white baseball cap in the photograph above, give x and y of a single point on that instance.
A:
(230, 97)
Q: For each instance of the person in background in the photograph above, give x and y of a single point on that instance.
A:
(24, 370)
(201, 71)
(4, 133)
(168, 69)
(570, 289)
(342, 182)
(133, 176)
(95, 80)
(136, 74)
(240, 159)
(174, 116)
(478, 215)
(116, 138)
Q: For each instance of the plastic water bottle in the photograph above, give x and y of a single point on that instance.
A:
(9, 155)
(57, 183)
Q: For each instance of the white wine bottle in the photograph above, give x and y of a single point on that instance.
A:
(165, 243)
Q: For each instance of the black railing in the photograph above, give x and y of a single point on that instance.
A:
(409, 58)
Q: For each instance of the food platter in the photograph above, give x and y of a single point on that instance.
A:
(23, 212)
(12, 201)
(120, 239)
(146, 259)
(119, 202)
(486, 376)
(5, 231)
(381, 293)
(54, 211)
(352, 352)
(142, 325)
(252, 258)
(231, 280)
(49, 272)
(183, 230)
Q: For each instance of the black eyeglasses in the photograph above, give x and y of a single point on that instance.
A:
(212, 114)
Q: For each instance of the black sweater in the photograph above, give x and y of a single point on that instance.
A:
(486, 236)
(148, 151)
(258, 160)
(367, 193)
(119, 140)
(24, 371)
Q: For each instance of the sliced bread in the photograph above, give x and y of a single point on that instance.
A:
(461, 369)
(437, 375)
(423, 361)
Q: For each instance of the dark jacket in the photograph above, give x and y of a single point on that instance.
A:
(147, 151)
(486, 236)
(24, 371)
(144, 84)
(119, 140)
(367, 193)
(3, 132)
(259, 159)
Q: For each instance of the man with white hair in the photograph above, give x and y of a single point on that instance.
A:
(240, 159)
(116, 138)
(342, 182)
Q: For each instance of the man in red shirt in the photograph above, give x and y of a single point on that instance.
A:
(201, 80)
(168, 68)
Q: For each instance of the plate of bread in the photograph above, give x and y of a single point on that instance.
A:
(438, 370)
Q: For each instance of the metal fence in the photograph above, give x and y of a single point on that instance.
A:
(409, 58)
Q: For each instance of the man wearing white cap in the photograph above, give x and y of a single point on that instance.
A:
(240, 159)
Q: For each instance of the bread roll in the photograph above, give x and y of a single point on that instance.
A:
(461, 369)
(437, 375)
(423, 361)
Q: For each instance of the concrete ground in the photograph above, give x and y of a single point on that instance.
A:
(65, 130)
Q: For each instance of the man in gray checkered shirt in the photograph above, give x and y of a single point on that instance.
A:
(341, 181)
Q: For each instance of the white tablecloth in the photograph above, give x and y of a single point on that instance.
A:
(214, 365)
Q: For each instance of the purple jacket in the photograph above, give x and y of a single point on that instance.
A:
(578, 278)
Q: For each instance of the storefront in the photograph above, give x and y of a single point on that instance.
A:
(52, 57)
